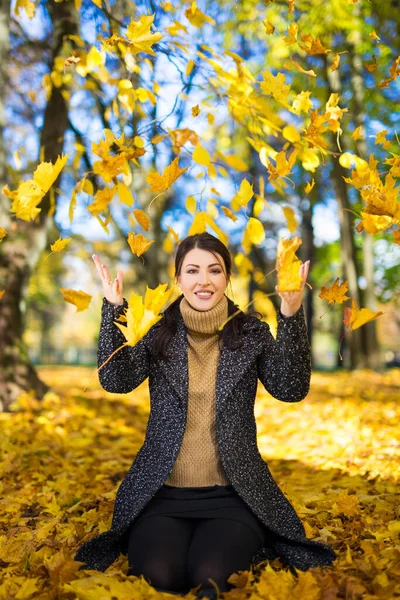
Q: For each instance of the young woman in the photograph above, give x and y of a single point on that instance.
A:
(199, 503)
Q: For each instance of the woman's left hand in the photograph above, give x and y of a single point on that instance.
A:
(291, 301)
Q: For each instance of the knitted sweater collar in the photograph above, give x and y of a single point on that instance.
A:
(204, 321)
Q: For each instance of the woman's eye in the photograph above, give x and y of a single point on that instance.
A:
(195, 271)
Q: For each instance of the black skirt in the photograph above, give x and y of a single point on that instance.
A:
(209, 502)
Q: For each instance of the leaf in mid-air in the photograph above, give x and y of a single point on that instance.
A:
(170, 174)
(335, 293)
(80, 299)
(138, 243)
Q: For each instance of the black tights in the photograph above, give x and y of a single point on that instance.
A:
(176, 554)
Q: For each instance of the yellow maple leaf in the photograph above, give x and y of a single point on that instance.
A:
(394, 73)
(243, 196)
(162, 182)
(282, 166)
(142, 218)
(357, 133)
(79, 298)
(312, 46)
(335, 293)
(291, 37)
(59, 244)
(374, 223)
(288, 265)
(302, 103)
(269, 28)
(196, 17)
(290, 218)
(103, 198)
(140, 37)
(3, 233)
(138, 243)
(348, 505)
(275, 85)
(355, 317)
(141, 314)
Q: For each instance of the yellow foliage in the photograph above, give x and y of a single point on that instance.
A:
(288, 265)
(79, 298)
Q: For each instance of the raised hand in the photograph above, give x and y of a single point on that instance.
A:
(291, 301)
(112, 289)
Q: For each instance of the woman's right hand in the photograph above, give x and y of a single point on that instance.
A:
(112, 290)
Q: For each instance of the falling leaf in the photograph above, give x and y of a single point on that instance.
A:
(59, 244)
(309, 186)
(374, 36)
(229, 213)
(275, 85)
(142, 218)
(312, 46)
(298, 68)
(195, 110)
(139, 37)
(374, 223)
(269, 28)
(243, 196)
(170, 174)
(335, 293)
(335, 62)
(125, 194)
(371, 66)
(355, 317)
(196, 17)
(138, 243)
(201, 156)
(282, 166)
(302, 103)
(357, 133)
(290, 218)
(254, 234)
(174, 234)
(79, 298)
(394, 73)
(71, 60)
(288, 265)
(291, 37)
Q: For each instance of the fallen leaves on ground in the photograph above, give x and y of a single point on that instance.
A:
(335, 455)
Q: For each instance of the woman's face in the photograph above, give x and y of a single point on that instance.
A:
(201, 271)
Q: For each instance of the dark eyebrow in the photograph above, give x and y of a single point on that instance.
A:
(212, 265)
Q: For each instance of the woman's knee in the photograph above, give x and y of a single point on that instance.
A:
(160, 573)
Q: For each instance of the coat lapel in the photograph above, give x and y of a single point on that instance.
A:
(231, 367)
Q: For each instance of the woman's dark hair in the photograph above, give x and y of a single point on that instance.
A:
(231, 334)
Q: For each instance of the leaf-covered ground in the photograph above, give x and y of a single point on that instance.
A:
(335, 455)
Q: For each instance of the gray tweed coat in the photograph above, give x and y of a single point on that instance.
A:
(283, 366)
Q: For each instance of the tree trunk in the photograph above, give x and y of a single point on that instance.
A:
(21, 249)
(368, 331)
(358, 358)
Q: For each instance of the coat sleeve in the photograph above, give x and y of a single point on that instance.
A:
(130, 366)
(284, 366)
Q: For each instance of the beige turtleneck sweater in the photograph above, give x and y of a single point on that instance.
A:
(198, 463)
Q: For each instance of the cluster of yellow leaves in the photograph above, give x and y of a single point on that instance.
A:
(30, 193)
(347, 446)
(382, 204)
(142, 314)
